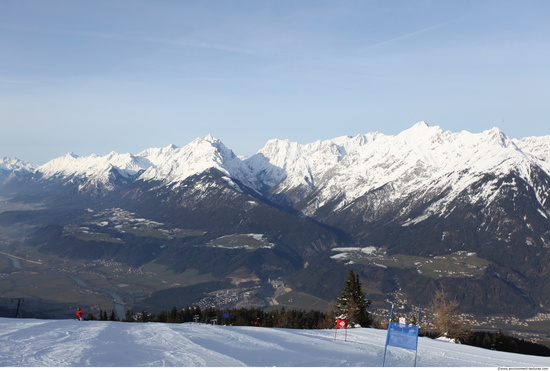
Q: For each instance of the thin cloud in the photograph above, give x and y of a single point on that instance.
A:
(411, 34)
(19, 82)
(184, 43)
(205, 45)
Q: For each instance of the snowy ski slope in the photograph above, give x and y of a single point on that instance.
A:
(34, 343)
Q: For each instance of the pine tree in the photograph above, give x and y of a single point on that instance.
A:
(487, 342)
(352, 303)
(173, 317)
(102, 315)
(505, 343)
(145, 316)
(129, 316)
(162, 316)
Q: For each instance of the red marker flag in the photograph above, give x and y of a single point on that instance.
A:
(341, 323)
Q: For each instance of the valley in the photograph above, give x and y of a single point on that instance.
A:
(52, 286)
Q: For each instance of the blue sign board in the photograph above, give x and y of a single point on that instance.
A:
(402, 335)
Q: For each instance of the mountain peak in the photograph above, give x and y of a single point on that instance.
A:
(208, 143)
(201, 154)
(497, 136)
(420, 130)
(207, 138)
(420, 125)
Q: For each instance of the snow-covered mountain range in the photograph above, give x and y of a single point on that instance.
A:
(425, 193)
(420, 171)
(418, 161)
(421, 157)
(170, 165)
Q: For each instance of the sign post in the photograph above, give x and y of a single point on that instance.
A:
(401, 335)
(342, 322)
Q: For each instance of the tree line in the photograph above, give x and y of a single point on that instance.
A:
(284, 318)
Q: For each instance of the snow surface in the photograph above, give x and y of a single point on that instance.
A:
(59, 343)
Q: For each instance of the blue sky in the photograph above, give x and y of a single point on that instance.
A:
(115, 75)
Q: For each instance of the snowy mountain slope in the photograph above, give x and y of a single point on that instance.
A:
(13, 168)
(538, 147)
(425, 172)
(422, 158)
(62, 343)
(14, 164)
(173, 164)
(341, 169)
(168, 165)
(93, 166)
(406, 178)
(294, 170)
(93, 173)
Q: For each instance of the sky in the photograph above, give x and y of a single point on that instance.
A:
(118, 75)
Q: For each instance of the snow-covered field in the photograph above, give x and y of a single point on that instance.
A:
(31, 343)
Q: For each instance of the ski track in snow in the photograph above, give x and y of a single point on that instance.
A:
(57, 343)
(46, 343)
